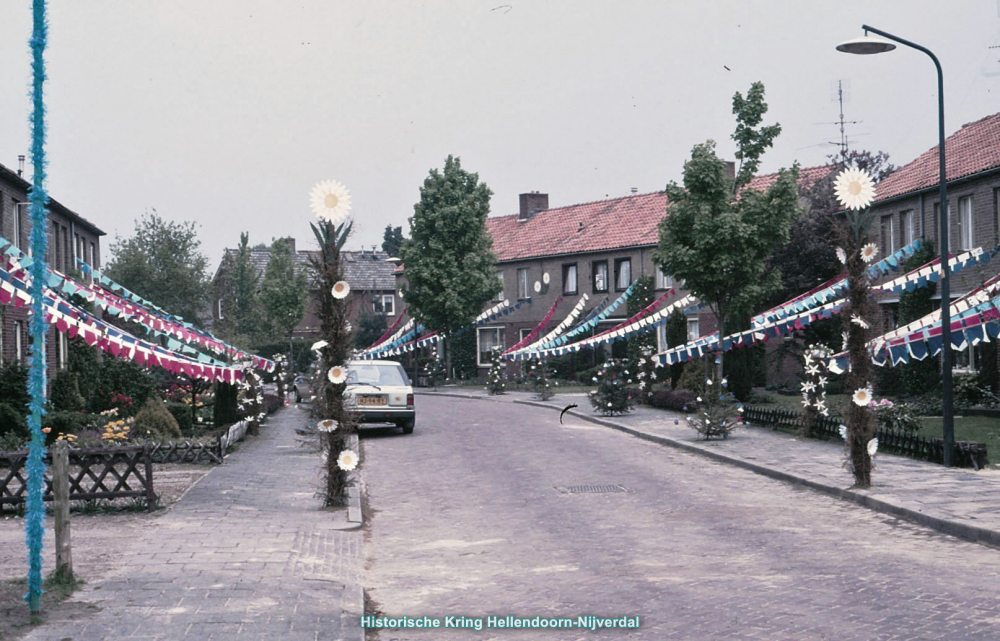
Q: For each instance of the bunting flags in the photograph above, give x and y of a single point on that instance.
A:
(566, 322)
(533, 334)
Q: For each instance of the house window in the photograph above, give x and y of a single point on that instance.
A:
(523, 333)
(693, 332)
(623, 273)
(18, 341)
(220, 309)
(996, 214)
(966, 223)
(907, 229)
(62, 350)
(385, 304)
(600, 271)
(888, 238)
(501, 295)
(93, 256)
(487, 338)
(663, 281)
(522, 284)
(569, 279)
(17, 224)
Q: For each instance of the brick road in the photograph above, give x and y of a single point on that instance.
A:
(470, 521)
(246, 554)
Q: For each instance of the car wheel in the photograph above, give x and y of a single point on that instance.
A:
(407, 425)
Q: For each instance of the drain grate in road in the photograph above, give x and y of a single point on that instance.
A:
(593, 489)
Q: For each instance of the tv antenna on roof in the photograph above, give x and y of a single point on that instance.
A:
(841, 92)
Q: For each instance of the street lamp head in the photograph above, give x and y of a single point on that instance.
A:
(866, 45)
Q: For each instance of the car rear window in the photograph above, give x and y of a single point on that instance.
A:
(377, 375)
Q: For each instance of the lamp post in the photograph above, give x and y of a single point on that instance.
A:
(868, 45)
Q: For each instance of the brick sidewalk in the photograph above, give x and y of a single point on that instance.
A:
(247, 554)
(956, 501)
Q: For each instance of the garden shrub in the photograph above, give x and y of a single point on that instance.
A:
(693, 377)
(969, 392)
(676, 400)
(13, 425)
(897, 416)
(62, 422)
(65, 392)
(272, 403)
(155, 420)
(120, 380)
(14, 388)
(929, 405)
(611, 396)
(182, 414)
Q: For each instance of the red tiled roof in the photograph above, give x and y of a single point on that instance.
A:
(588, 227)
(808, 176)
(972, 149)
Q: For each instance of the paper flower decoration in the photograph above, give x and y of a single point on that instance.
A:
(860, 322)
(872, 447)
(330, 201)
(854, 188)
(538, 287)
(545, 278)
(337, 374)
(812, 370)
(842, 255)
(868, 252)
(341, 289)
(808, 386)
(348, 460)
(318, 345)
(329, 425)
(862, 397)
(843, 432)
(708, 382)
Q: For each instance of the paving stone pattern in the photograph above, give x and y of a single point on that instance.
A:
(246, 554)
(697, 548)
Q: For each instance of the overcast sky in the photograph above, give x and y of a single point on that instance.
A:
(227, 112)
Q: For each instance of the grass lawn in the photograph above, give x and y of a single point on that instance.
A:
(836, 402)
(979, 429)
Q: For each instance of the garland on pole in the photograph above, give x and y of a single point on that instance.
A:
(34, 522)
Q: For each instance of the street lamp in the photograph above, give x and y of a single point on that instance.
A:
(870, 45)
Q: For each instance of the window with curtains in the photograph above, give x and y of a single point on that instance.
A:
(17, 225)
(384, 304)
(600, 272)
(966, 223)
(18, 341)
(623, 274)
(888, 237)
(663, 281)
(501, 295)
(996, 215)
(907, 227)
(693, 331)
(570, 285)
(523, 290)
(486, 339)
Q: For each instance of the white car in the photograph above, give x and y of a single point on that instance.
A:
(380, 392)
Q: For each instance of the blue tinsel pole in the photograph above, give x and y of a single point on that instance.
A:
(35, 522)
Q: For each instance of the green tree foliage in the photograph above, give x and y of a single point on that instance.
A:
(611, 396)
(371, 326)
(462, 346)
(642, 297)
(717, 238)
(495, 379)
(162, 263)
(450, 270)
(677, 335)
(284, 290)
(154, 420)
(392, 240)
(65, 394)
(243, 323)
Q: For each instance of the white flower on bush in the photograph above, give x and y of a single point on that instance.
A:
(860, 322)
(872, 447)
(843, 431)
(348, 460)
(328, 425)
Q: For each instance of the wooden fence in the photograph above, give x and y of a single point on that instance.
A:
(99, 473)
(901, 442)
(187, 452)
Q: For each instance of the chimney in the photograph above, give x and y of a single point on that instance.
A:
(20, 164)
(532, 203)
(730, 170)
(290, 241)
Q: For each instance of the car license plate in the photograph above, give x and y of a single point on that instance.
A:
(371, 400)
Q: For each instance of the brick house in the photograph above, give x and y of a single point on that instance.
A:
(907, 205)
(70, 237)
(368, 272)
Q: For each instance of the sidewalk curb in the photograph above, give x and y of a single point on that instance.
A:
(952, 528)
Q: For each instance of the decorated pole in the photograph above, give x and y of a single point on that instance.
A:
(35, 521)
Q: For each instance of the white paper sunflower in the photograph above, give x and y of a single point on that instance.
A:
(341, 289)
(337, 374)
(330, 201)
(872, 447)
(842, 255)
(854, 188)
(545, 278)
(860, 322)
(843, 432)
(538, 287)
(862, 397)
(348, 460)
(318, 345)
(868, 252)
(329, 425)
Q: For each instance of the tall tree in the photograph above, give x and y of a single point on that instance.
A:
(392, 240)
(284, 290)
(243, 320)
(162, 262)
(450, 270)
(717, 236)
